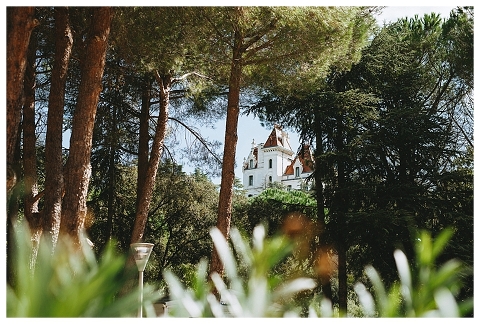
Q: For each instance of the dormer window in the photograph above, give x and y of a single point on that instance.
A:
(251, 164)
(297, 172)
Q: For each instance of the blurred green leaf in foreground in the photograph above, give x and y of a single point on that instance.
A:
(71, 282)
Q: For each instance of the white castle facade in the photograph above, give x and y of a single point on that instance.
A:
(275, 161)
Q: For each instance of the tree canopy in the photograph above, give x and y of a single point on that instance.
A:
(386, 135)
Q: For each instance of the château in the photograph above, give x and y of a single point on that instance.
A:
(275, 161)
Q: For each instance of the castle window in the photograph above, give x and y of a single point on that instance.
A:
(250, 180)
(289, 187)
(270, 162)
(270, 178)
(251, 164)
(297, 172)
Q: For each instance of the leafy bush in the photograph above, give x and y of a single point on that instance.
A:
(71, 282)
(271, 206)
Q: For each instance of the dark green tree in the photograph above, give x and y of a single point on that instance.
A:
(184, 212)
(116, 141)
(333, 118)
(410, 67)
(380, 168)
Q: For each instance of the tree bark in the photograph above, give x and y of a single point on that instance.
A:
(145, 197)
(341, 210)
(29, 152)
(53, 143)
(322, 248)
(228, 164)
(29, 138)
(12, 216)
(144, 137)
(78, 168)
(112, 183)
(20, 23)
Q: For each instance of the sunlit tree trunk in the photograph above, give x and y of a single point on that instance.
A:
(20, 23)
(53, 143)
(29, 152)
(228, 166)
(78, 168)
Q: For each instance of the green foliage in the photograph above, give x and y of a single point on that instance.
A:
(258, 294)
(184, 208)
(424, 290)
(182, 211)
(272, 206)
(285, 47)
(71, 282)
(389, 134)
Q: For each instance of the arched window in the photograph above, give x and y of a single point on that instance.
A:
(270, 178)
(270, 163)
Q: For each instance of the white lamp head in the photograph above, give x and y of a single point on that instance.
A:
(141, 253)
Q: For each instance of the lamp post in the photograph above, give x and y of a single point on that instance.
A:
(141, 253)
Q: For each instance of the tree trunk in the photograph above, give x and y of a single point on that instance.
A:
(322, 249)
(53, 143)
(78, 168)
(29, 152)
(12, 215)
(113, 143)
(342, 278)
(29, 138)
(144, 137)
(341, 208)
(20, 23)
(143, 206)
(228, 164)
